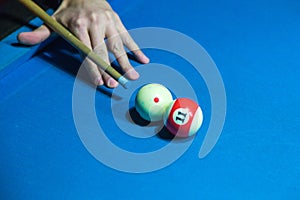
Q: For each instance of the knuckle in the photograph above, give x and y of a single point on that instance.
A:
(78, 23)
(93, 17)
(108, 16)
(126, 39)
(117, 48)
(100, 51)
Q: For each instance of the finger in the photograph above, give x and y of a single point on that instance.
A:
(93, 72)
(108, 80)
(80, 31)
(115, 45)
(129, 42)
(101, 50)
(34, 37)
(97, 35)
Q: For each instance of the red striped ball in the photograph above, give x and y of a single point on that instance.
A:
(183, 117)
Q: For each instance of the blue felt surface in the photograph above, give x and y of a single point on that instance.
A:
(255, 45)
(14, 54)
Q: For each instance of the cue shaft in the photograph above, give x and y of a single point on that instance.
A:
(73, 40)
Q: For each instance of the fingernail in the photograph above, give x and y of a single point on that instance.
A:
(98, 81)
(132, 74)
(112, 83)
(146, 59)
(143, 58)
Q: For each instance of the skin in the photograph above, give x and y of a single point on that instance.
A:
(93, 21)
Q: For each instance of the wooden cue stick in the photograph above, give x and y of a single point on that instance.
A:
(74, 41)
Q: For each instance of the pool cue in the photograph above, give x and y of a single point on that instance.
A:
(74, 41)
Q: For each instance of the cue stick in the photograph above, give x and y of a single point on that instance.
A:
(73, 40)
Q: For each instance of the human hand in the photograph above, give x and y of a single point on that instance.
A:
(93, 21)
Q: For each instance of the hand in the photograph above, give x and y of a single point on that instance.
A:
(93, 21)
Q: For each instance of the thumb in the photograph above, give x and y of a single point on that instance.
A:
(34, 37)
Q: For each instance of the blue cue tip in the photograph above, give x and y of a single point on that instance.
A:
(124, 82)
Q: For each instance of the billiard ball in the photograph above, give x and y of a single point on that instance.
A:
(152, 100)
(183, 117)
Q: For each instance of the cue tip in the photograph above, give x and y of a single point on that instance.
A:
(124, 82)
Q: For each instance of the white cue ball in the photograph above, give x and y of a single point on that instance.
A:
(152, 101)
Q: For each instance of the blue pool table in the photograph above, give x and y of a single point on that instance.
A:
(254, 46)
